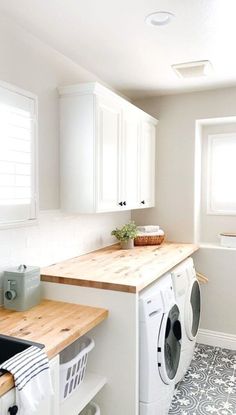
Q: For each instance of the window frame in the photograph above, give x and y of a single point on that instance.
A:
(34, 168)
(209, 203)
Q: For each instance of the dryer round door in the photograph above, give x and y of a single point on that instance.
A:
(169, 345)
(193, 310)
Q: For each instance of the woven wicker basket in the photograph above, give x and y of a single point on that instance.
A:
(149, 240)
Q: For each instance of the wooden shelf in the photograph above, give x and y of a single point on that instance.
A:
(91, 385)
(55, 324)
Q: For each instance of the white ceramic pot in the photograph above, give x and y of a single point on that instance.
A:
(128, 244)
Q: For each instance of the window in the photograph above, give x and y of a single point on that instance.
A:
(221, 194)
(17, 155)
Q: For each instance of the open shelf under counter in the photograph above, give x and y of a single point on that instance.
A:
(91, 385)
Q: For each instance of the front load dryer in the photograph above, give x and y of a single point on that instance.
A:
(187, 294)
(159, 347)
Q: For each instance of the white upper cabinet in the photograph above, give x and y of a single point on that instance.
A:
(107, 150)
(108, 138)
(147, 163)
(130, 158)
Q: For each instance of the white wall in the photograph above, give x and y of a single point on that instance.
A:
(174, 209)
(218, 296)
(32, 65)
(175, 149)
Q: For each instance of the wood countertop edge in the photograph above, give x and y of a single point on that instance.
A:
(89, 283)
(166, 269)
(132, 289)
(76, 335)
(7, 381)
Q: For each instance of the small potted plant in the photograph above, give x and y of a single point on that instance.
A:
(126, 235)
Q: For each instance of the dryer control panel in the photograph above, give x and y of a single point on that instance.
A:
(157, 298)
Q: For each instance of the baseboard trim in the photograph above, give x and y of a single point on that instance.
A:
(216, 338)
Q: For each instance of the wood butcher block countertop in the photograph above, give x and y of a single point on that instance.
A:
(52, 323)
(121, 270)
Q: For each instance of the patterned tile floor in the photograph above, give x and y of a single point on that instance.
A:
(209, 386)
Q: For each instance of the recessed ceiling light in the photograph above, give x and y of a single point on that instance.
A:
(160, 18)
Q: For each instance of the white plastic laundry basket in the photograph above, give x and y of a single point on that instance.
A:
(73, 362)
(91, 409)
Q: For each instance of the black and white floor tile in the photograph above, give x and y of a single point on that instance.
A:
(209, 386)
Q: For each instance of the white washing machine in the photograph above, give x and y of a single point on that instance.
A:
(160, 347)
(187, 294)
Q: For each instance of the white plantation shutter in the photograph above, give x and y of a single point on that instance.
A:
(17, 156)
(222, 174)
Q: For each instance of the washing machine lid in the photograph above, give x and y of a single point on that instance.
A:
(169, 345)
(193, 310)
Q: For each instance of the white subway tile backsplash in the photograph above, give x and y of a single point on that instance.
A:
(57, 236)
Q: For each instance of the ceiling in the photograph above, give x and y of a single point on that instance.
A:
(111, 39)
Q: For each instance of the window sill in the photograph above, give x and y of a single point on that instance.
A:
(221, 213)
(18, 224)
(207, 245)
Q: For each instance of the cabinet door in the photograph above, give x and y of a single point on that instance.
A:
(108, 154)
(47, 407)
(147, 164)
(130, 160)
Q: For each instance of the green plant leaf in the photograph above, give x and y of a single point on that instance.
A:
(128, 231)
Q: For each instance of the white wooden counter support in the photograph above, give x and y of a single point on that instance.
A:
(116, 344)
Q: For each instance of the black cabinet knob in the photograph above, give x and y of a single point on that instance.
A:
(13, 410)
(121, 203)
(124, 203)
(143, 202)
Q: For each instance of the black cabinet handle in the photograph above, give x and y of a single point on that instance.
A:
(120, 203)
(124, 203)
(13, 410)
(143, 202)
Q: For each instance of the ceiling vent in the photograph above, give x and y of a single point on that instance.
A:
(193, 69)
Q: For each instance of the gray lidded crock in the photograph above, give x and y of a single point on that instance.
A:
(21, 287)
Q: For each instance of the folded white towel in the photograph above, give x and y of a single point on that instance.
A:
(32, 377)
(158, 233)
(148, 228)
